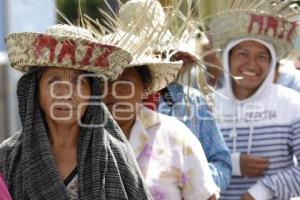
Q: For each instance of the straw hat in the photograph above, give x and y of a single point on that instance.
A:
(163, 70)
(143, 16)
(139, 42)
(149, 16)
(179, 41)
(274, 23)
(66, 46)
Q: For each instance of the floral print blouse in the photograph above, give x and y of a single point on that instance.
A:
(171, 158)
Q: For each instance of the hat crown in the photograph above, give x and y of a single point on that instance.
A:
(273, 28)
(142, 14)
(68, 30)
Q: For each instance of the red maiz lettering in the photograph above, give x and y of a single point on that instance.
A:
(265, 23)
(291, 32)
(102, 60)
(272, 23)
(45, 42)
(256, 19)
(68, 48)
(88, 55)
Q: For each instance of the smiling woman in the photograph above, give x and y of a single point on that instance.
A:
(259, 119)
(250, 60)
(69, 146)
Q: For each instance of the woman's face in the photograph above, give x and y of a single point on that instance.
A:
(64, 94)
(123, 96)
(250, 60)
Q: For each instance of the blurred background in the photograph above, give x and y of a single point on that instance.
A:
(35, 16)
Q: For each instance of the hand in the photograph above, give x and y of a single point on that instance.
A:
(253, 166)
(247, 196)
(213, 197)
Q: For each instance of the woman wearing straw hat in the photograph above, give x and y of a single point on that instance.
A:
(178, 99)
(170, 156)
(69, 146)
(259, 119)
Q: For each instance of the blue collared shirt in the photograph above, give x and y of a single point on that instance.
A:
(191, 108)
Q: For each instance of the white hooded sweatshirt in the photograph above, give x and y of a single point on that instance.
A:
(267, 125)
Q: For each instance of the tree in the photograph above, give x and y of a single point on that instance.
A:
(70, 8)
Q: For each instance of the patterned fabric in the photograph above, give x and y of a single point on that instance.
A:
(107, 168)
(197, 116)
(171, 158)
(72, 188)
(267, 130)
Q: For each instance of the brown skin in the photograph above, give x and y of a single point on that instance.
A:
(63, 134)
(247, 196)
(253, 166)
(213, 197)
(250, 60)
(125, 110)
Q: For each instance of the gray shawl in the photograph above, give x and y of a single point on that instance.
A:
(106, 165)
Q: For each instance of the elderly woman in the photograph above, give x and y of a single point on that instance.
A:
(170, 156)
(69, 147)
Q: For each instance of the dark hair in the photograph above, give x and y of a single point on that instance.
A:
(145, 74)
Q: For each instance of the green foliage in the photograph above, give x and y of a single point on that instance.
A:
(70, 8)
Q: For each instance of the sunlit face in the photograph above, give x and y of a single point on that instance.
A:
(124, 96)
(251, 61)
(63, 94)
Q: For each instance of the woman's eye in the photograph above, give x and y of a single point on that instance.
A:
(52, 81)
(243, 54)
(263, 58)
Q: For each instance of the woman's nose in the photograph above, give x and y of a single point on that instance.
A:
(252, 64)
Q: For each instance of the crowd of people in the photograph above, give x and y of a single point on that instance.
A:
(126, 111)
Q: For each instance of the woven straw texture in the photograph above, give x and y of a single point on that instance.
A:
(236, 24)
(66, 46)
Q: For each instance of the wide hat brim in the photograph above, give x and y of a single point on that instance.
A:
(27, 49)
(163, 72)
(238, 24)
